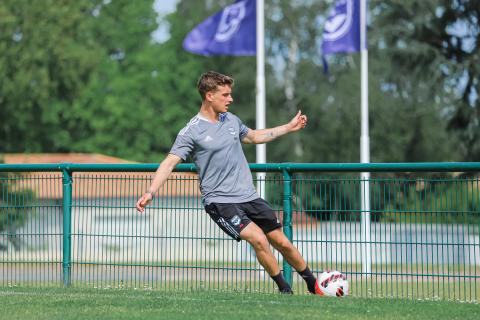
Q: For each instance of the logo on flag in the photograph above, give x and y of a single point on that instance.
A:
(232, 17)
(342, 29)
(341, 32)
(232, 31)
(339, 21)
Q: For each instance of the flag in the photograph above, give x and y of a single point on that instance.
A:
(341, 32)
(232, 32)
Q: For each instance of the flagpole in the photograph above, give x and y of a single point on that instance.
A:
(365, 146)
(261, 150)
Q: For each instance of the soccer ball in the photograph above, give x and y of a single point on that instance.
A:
(333, 283)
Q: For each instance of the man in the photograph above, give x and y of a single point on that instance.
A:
(212, 138)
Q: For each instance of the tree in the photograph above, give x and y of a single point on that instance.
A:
(134, 104)
(333, 101)
(86, 76)
(433, 47)
(14, 207)
(81, 76)
(47, 55)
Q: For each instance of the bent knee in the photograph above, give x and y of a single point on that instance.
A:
(259, 241)
(284, 245)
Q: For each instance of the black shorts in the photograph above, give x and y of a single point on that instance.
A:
(233, 217)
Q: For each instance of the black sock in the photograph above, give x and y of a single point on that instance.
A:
(309, 278)
(283, 286)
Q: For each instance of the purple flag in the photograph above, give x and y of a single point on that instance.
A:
(342, 29)
(231, 32)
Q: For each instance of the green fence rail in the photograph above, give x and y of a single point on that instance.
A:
(75, 225)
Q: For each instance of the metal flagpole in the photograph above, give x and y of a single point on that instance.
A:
(365, 146)
(261, 150)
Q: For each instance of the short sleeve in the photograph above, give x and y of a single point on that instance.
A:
(243, 128)
(183, 145)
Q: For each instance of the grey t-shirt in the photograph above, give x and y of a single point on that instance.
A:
(217, 152)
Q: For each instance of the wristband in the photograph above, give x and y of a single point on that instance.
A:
(152, 194)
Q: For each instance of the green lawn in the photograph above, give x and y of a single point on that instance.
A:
(56, 303)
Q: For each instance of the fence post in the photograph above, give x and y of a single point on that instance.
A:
(67, 226)
(365, 225)
(287, 220)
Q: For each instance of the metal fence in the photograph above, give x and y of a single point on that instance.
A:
(75, 225)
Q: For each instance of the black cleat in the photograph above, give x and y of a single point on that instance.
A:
(286, 291)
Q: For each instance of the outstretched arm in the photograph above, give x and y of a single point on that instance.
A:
(266, 135)
(163, 171)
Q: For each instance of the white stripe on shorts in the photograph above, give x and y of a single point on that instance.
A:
(228, 227)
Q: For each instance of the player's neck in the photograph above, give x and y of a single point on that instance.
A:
(208, 113)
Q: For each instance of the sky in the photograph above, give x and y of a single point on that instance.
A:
(163, 7)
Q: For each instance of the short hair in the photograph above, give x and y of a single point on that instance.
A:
(210, 80)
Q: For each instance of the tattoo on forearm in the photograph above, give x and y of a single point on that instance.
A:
(270, 134)
(267, 135)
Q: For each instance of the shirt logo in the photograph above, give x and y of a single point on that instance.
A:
(208, 138)
(235, 220)
(232, 131)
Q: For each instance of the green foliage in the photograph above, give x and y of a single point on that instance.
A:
(14, 204)
(14, 208)
(334, 197)
(47, 55)
(86, 76)
(402, 128)
(425, 198)
(432, 49)
(448, 200)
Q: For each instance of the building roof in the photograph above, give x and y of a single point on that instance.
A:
(49, 185)
(30, 158)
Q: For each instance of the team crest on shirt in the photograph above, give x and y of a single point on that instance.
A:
(232, 131)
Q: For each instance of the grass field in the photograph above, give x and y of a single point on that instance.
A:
(57, 303)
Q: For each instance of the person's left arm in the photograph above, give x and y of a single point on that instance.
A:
(266, 135)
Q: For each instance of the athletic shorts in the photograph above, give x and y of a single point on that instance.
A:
(233, 217)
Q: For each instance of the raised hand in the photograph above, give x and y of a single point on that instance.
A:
(298, 122)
